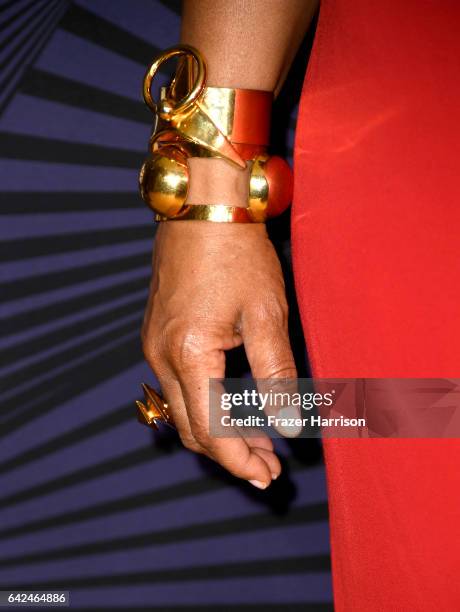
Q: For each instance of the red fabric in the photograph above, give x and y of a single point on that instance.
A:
(375, 232)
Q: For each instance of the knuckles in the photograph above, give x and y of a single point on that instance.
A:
(184, 345)
(202, 437)
(152, 352)
(270, 314)
(191, 444)
(190, 347)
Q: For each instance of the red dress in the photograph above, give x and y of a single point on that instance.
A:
(376, 250)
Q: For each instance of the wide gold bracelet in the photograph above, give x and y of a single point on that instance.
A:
(219, 213)
(193, 120)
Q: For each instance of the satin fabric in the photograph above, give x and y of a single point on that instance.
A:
(375, 238)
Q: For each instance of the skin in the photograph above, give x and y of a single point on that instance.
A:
(216, 286)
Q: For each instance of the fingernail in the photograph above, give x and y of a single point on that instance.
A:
(258, 484)
(289, 428)
(275, 476)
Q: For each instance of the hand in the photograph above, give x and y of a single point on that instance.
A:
(214, 287)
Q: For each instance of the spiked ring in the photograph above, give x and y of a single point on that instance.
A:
(154, 410)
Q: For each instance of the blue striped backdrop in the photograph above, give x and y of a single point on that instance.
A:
(92, 502)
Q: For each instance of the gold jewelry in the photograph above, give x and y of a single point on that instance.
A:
(219, 213)
(168, 106)
(154, 411)
(163, 181)
(193, 120)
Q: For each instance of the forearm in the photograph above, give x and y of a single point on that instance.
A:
(247, 44)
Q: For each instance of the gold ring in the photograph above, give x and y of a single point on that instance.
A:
(194, 92)
(154, 411)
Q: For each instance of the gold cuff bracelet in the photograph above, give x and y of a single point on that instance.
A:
(193, 120)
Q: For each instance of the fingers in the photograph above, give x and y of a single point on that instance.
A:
(172, 393)
(184, 377)
(202, 361)
(266, 341)
(233, 453)
(270, 459)
(268, 349)
(262, 441)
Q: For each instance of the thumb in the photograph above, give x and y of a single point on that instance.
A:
(270, 357)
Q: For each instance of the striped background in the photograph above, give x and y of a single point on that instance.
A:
(90, 501)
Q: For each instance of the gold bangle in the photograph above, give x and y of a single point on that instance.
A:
(198, 121)
(219, 213)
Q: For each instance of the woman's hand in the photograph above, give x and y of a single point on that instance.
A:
(214, 287)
